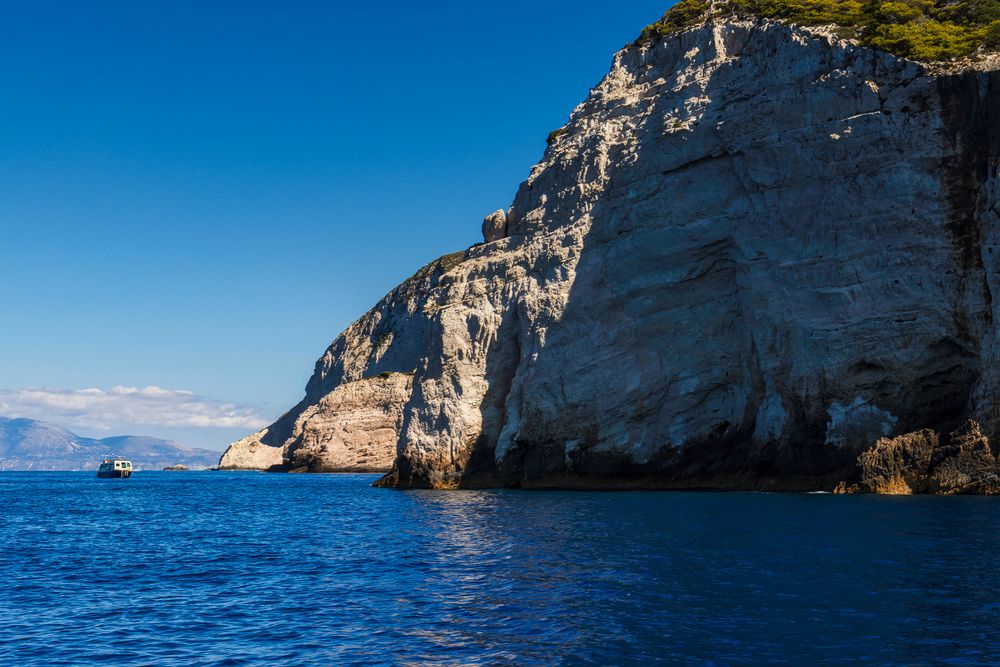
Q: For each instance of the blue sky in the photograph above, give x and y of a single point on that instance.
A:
(197, 197)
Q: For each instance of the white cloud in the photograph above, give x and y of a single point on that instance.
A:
(126, 406)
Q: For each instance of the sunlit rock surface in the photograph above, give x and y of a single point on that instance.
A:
(353, 428)
(752, 252)
(251, 454)
(924, 462)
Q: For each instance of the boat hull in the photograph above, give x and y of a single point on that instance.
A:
(114, 473)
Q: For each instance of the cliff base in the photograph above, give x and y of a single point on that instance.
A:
(963, 462)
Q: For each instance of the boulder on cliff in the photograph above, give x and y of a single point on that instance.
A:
(353, 428)
(495, 226)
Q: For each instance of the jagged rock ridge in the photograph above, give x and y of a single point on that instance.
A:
(924, 462)
(751, 253)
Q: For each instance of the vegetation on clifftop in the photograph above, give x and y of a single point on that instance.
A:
(684, 14)
(918, 29)
(554, 135)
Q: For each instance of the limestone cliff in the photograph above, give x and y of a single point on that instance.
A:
(352, 428)
(753, 251)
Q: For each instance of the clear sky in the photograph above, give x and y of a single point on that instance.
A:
(197, 197)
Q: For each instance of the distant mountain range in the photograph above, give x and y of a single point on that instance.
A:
(27, 444)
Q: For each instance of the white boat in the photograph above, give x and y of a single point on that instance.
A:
(115, 467)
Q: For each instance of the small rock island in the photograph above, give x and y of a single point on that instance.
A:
(761, 254)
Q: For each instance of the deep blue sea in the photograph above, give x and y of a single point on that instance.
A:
(219, 568)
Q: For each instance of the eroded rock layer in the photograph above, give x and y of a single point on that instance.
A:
(751, 253)
(353, 428)
(924, 462)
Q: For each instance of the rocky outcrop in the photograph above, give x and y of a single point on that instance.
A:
(353, 428)
(753, 251)
(251, 453)
(495, 226)
(923, 462)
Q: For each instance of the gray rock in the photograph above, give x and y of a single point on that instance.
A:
(495, 226)
(754, 251)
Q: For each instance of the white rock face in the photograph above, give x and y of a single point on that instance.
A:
(353, 428)
(753, 251)
(250, 454)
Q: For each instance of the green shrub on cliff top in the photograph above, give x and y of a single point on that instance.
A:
(925, 40)
(684, 14)
(920, 29)
(806, 12)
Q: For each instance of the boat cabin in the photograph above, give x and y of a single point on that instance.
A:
(115, 467)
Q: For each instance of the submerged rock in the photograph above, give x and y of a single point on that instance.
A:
(753, 251)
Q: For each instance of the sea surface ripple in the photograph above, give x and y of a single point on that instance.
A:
(218, 568)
